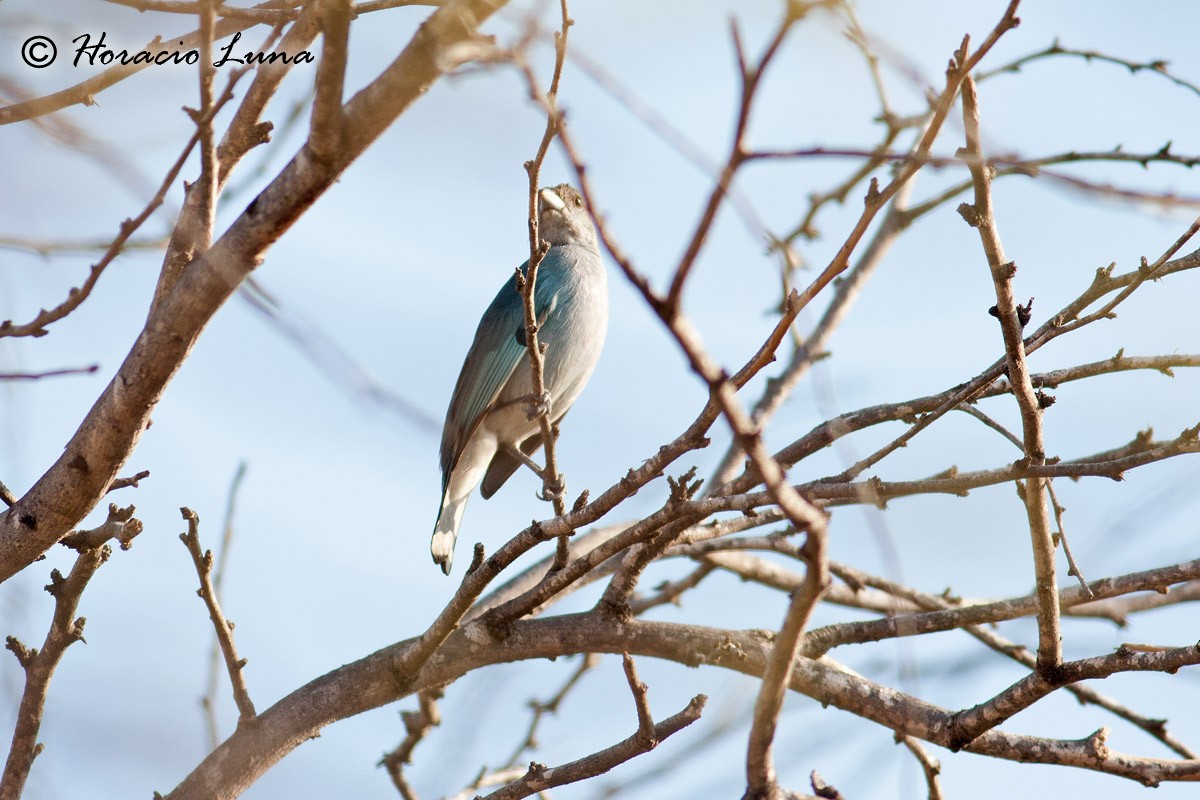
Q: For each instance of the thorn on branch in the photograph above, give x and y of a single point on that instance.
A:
(476, 558)
(1025, 312)
(76, 630)
(1098, 744)
(25, 655)
(122, 483)
(822, 789)
(683, 488)
(873, 194)
(54, 588)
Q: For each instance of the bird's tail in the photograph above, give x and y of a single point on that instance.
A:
(446, 530)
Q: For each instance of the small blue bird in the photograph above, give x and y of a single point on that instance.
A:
(489, 431)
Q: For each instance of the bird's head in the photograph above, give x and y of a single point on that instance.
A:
(563, 217)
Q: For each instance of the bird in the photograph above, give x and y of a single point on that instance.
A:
(490, 430)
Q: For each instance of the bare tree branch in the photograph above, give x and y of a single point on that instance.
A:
(540, 777)
(132, 480)
(76, 296)
(203, 561)
(372, 681)
(417, 725)
(328, 122)
(120, 525)
(1158, 66)
(91, 369)
(1013, 319)
(39, 665)
(209, 700)
(553, 486)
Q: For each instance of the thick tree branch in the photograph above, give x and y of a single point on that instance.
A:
(374, 681)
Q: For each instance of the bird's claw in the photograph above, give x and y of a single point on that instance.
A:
(539, 406)
(554, 491)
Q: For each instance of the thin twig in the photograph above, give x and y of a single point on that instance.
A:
(328, 119)
(1156, 67)
(203, 561)
(1012, 321)
(120, 525)
(192, 234)
(76, 296)
(133, 480)
(540, 777)
(50, 373)
(821, 640)
(273, 11)
(960, 67)
(209, 700)
(552, 484)
(417, 725)
(1060, 537)
(627, 574)
(777, 389)
(671, 591)
(750, 78)
(641, 701)
(929, 765)
(205, 215)
(550, 706)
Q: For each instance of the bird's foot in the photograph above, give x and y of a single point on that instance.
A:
(521, 456)
(554, 491)
(538, 406)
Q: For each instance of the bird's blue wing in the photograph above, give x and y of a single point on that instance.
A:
(498, 348)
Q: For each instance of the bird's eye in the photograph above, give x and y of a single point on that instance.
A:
(578, 201)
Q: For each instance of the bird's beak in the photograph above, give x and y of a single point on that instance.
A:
(550, 199)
